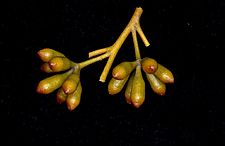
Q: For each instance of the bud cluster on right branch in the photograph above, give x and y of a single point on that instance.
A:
(156, 74)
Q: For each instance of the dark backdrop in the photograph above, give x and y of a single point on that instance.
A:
(185, 36)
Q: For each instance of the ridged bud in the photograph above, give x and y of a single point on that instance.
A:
(164, 74)
(157, 86)
(149, 65)
(50, 84)
(58, 64)
(46, 68)
(73, 99)
(71, 83)
(61, 96)
(123, 70)
(47, 54)
(115, 86)
(138, 89)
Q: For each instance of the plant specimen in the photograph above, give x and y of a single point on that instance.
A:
(67, 79)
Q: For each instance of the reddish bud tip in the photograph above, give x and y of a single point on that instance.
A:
(45, 54)
(43, 88)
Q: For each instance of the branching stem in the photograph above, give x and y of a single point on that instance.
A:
(93, 60)
(111, 52)
(98, 52)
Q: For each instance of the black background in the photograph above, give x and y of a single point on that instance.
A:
(185, 36)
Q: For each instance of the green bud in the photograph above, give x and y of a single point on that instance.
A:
(46, 68)
(156, 85)
(115, 86)
(164, 74)
(128, 90)
(138, 89)
(58, 64)
(47, 54)
(61, 96)
(149, 65)
(50, 84)
(73, 99)
(71, 83)
(123, 70)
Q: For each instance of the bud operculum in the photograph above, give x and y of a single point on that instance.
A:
(58, 64)
(47, 54)
(123, 70)
(46, 68)
(149, 65)
(157, 86)
(50, 84)
(115, 86)
(73, 99)
(164, 74)
(71, 83)
(61, 96)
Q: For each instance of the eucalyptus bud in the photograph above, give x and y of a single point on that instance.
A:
(157, 86)
(164, 74)
(71, 83)
(47, 54)
(115, 86)
(61, 96)
(50, 84)
(58, 64)
(46, 68)
(123, 70)
(128, 90)
(149, 65)
(73, 99)
(138, 89)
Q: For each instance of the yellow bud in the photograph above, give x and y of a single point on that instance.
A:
(46, 68)
(164, 74)
(157, 86)
(138, 89)
(47, 54)
(50, 84)
(115, 86)
(73, 99)
(58, 64)
(149, 65)
(61, 96)
(122, 70)
(128, 90)
(70, 85)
